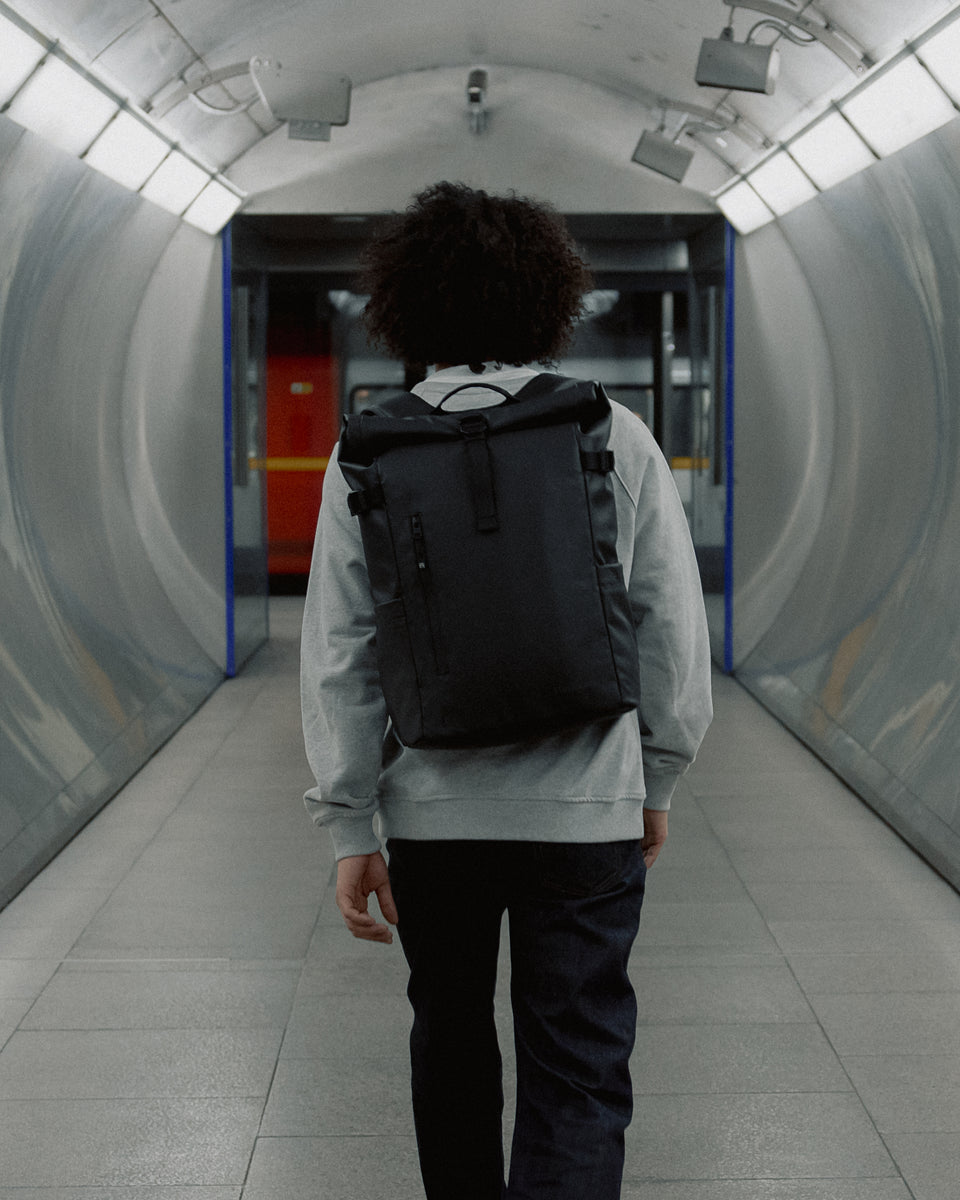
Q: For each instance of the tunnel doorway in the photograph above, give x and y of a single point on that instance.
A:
(654, 334)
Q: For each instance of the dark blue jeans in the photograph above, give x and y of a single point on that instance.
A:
(573, 916)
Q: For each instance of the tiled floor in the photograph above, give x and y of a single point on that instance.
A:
(182, 1017)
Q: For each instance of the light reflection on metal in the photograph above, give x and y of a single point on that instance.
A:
(102, 438)
(847, 553)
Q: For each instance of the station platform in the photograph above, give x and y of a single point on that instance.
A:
(184, 1017)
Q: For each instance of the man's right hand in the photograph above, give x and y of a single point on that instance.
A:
(654, 834)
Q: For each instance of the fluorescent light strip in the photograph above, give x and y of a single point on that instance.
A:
(831, 151)
(781, 184)
(941, 56)
(213, 208)
(175, 184)
(47, 93)
(62, 107)
(127, 151)
(743, 208)
(19, 55)
(898, 107)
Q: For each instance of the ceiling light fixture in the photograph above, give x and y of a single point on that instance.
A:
(737, 66)
(659, 153)
(749, 67)
(310, 101)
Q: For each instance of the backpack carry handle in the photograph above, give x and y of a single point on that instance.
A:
(492, 387)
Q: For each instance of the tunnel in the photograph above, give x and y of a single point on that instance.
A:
(766, 194)
(820, 344)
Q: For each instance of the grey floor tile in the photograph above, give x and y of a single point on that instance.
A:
(713, 881)
(825, 1135)
(351, 1027)
(909, 1094)
(248, 880)
(156, 962)
(860, 935)
(881, 899)
(258, 824)
(700, 956)
(31, 943)
(41, 905)
(361, 1168)
(138, 1064)
(25, 978)
(717, 994)
(784, 825)
(96, 859)
(12, 1013)
(895, 1023)
(757, 789)
(767, 1189)
(164, 995)
(340, 964)
(316, 1098)
(878, 971)
(701, 852)
(210, 931)
(678, 1059)
(121, 1193)
(220, 864)
(730, 925)
(125, 1143)
(930, 1163)
(813, 863)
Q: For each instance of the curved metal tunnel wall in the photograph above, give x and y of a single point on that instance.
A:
(111, 492)
(111, 501)
(847, 509)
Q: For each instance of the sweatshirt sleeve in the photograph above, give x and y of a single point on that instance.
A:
(344, 715)
(672, 639)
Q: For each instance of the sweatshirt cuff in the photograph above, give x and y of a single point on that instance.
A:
(660, 789)
(353, 837)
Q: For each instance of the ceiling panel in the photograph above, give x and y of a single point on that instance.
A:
(636, 50)
(147, 55)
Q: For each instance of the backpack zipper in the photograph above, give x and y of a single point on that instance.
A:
(423, 571)
(419, 543)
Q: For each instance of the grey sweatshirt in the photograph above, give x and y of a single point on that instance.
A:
(590, 785)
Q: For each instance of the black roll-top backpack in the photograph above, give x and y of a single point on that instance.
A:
(490, 541)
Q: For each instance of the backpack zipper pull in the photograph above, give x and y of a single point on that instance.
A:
(419, 543)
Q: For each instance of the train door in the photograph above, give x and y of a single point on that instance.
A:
(303, 418)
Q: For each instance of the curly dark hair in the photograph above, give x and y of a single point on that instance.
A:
(466, 277)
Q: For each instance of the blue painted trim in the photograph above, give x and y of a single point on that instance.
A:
(730, 242)
(226, 242)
